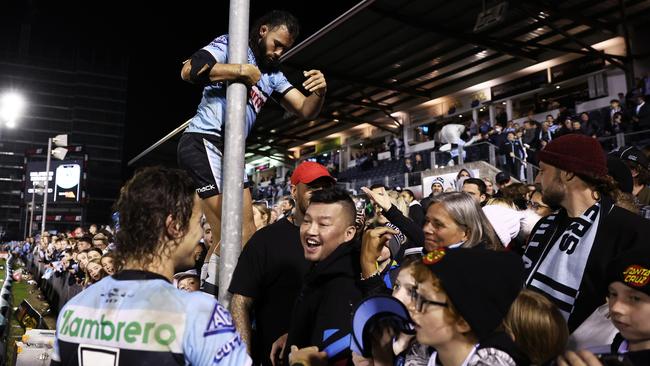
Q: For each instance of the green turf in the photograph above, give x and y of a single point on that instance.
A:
(19, 292)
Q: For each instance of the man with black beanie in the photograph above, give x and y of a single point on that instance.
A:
(568, 251)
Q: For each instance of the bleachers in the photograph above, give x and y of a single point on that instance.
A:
(390, 172)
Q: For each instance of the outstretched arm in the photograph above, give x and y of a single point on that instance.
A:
(307, 107)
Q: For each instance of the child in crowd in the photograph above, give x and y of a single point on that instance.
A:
(629, 308)
(107, 264)
(187, 281)
(94, 272)
(462, 297)
(537, 327)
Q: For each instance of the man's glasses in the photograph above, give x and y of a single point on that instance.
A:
(420, 303)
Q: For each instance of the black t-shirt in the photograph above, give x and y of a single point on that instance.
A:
(270, 270)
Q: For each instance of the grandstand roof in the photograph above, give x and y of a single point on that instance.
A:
(383, 56)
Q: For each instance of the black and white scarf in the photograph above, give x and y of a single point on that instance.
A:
(556, 259)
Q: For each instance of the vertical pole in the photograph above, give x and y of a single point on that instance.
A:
(235, 136)
(620, 139)
(47, 181)
(493, 115)
(530, 179)
(509, 109)
(31, 216)
(493, 155)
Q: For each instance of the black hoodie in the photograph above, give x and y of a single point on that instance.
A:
(322, 314)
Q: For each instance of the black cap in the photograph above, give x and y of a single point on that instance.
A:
(617, 169)
(632, 154)
(632, 268)
(481, 284)
(502, 177)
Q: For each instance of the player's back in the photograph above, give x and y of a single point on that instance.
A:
(139, 318)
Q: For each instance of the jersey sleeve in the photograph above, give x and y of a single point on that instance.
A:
(211, 338)
(280, 84)
(218, 48)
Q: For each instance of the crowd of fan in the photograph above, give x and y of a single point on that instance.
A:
(456, 259)
(85, 254)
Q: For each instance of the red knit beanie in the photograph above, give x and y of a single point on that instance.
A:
(575, 153)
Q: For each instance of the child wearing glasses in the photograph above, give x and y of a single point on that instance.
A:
(461, 300)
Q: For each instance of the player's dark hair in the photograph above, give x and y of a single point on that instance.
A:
(145, 202)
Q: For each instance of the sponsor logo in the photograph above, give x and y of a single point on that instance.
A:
(220, 322)
(103, 329)
(209, 187)
(257, 98)
(636, 276)
(114, 294)
(227, 349)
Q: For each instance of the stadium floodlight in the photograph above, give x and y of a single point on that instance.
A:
(12, 106)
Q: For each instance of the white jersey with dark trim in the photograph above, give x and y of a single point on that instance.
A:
(139, 318)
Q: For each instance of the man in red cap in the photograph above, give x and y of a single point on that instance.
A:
(568, 252)
(271, 267)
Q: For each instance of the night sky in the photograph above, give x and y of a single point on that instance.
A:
(157, 37)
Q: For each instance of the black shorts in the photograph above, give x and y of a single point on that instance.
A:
(200, 155)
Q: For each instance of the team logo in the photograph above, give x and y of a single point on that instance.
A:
(220, 322)
(434, 256)
(636, 276)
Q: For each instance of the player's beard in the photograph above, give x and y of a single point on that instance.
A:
(263, 62)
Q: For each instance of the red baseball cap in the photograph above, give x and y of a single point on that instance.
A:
(308, 172)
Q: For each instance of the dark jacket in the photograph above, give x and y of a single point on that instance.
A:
(618, 230)
(416, 213)
(643, 115)
(322, 314)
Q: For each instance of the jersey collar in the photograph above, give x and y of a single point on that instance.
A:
(134, 274)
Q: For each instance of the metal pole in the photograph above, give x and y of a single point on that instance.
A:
(461, 158)
(31, 217)
(493, 155)
(47, 181)
(233, 184)
(530, 179)
(620, 139)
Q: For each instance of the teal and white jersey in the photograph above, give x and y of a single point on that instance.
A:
(211, 113)
(139, 318)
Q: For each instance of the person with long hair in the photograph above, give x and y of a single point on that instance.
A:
(568, 251)
(144, 319)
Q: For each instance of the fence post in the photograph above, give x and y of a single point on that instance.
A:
(492, 155)
(530, 179)
(620, 139)
(406, 180)
(433, 160)
(461, 158)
